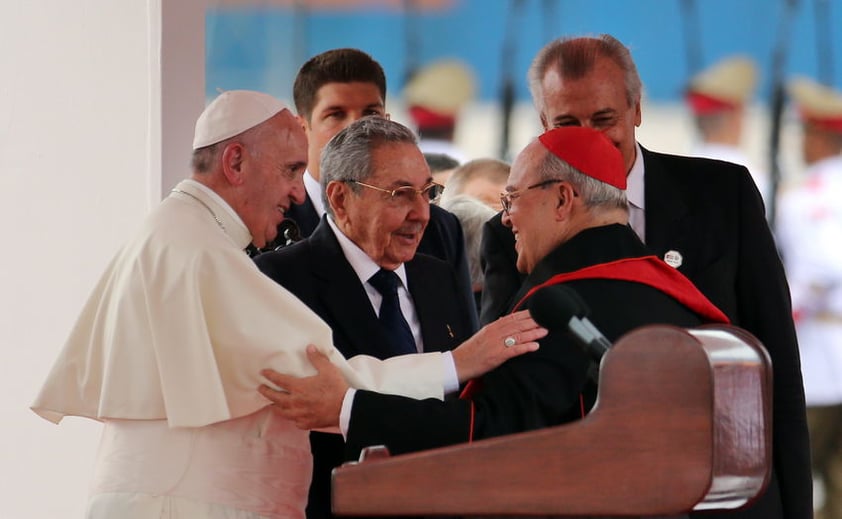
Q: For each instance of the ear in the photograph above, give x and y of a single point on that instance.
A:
(638, 114)
(567, 199)
(233, 158)
(337, 196)
(544, 122)
(303, 122)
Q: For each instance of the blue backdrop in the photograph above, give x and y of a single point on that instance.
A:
(262, 48)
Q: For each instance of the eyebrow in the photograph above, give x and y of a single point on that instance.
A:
(602, 111)
(295, 165)
(406, 183)
(345, 107)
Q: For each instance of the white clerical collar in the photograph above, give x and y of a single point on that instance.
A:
(314, 191)
(231, 222)
(361, 262)
(634, 181)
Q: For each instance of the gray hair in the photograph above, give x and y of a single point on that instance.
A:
(472, 214)
(347, 156)
(204, 159)
(594, 193)
(575, 57)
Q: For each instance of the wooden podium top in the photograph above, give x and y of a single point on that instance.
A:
(682, 422)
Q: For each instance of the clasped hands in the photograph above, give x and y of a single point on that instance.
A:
(315, 402)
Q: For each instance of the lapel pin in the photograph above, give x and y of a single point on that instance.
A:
(673, 258)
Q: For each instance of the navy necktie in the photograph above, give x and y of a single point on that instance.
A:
(391, 318)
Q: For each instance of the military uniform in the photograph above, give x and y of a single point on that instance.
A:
(717, 96)
(810, 239)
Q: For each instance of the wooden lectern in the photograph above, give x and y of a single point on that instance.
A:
(682, 422)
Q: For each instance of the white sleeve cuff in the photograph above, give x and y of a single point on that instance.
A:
(450, 383)
(451, 378)
(345, 412)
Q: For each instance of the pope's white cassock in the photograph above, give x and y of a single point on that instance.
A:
(167, 353)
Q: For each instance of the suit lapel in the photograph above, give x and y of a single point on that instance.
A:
(433, 307)
(355, 326)
(667, 215)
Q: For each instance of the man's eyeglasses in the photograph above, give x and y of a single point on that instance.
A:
(506, 198)
(407, 194)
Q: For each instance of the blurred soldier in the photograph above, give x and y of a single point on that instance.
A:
(717, 96)
(434, 96)
(810, 237)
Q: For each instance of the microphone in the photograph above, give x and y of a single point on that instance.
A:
(559, 306)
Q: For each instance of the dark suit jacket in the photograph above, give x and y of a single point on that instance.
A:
(305, 216)
(443, 239)
(316, 271)
(535, 390)
(498, 259)
(712, 214)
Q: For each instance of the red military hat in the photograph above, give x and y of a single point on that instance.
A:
(726, 85)
(818, 104)
(589, 151)
(437, 92)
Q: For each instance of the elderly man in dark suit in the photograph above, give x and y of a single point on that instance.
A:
(704, 217)
(377, 191)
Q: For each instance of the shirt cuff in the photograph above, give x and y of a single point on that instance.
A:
(451, 378)
(345, 412)
(450, 384)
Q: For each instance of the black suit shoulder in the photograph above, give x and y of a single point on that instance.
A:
(286, 266)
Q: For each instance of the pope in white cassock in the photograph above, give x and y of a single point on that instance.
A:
(168, 348)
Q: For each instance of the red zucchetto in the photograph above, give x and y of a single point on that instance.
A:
(589, 151)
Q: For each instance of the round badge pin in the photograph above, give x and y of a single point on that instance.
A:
(673, 258)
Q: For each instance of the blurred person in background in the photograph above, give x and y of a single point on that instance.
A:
(434, 96)
(483, 179)
(810, 237)
(441, 166)
(718, 97)
(472, 214)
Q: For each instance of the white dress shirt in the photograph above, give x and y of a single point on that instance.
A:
(314, 191)
(635, 193)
